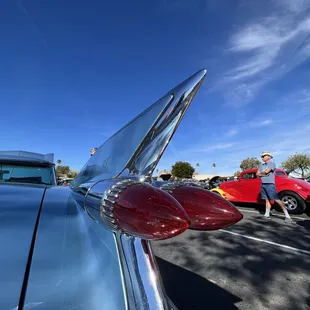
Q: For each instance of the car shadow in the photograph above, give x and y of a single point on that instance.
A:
(188, 290)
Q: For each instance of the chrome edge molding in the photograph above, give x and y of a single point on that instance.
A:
(144, 288)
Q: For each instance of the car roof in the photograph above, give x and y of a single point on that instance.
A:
(23, 156)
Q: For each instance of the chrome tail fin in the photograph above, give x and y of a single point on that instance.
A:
(136, 148)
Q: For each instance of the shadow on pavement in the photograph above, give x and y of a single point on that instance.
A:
(188, 290)
(258, 273)
(304, 224)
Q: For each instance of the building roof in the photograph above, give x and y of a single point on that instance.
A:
(207, 176)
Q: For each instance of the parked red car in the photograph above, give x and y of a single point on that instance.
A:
(294, 193)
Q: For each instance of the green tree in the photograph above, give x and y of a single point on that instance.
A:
(298, 163)
(197, 165)
(249, 163)
(72, 174)
(59, 162)
(182, 170)
(62, 170)
(237, 174)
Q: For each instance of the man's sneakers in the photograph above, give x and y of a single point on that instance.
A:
(288, 220)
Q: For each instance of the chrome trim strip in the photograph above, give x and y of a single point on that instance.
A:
(107, 213)
(125, 289)
(144, 289)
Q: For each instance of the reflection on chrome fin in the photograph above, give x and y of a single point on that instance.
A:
(136, 149)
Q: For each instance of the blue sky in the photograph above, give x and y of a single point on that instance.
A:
(74, 72)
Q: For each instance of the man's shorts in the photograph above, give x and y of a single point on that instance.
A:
(269, 191)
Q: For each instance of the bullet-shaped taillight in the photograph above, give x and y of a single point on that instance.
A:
(206, 210)
(142, 210)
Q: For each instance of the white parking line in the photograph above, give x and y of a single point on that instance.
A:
(251, 211)
(244, 210)
(266, 241)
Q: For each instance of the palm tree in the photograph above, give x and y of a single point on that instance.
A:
(197, 165)
(59, 162)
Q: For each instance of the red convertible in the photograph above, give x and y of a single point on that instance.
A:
(294, 193)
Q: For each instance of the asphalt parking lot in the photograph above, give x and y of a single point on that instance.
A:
(255, 264)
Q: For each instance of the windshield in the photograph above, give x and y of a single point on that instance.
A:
(21, 173)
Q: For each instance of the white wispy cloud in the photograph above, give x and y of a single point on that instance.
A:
(201, 148)
(219, 146)
(294, 6)
(266, 122)
(255, 124)
(244, 127)
(268, 48)
(231, 132)
(293, 106)
(267, 39)
(304, 96)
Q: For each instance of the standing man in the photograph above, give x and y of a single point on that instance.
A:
(266, 171)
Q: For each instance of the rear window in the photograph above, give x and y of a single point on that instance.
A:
(21, 173)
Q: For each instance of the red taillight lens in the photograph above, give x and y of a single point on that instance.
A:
(206, 210)
(144, 211)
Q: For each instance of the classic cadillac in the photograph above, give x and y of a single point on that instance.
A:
(294, 193)
(87, 246)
